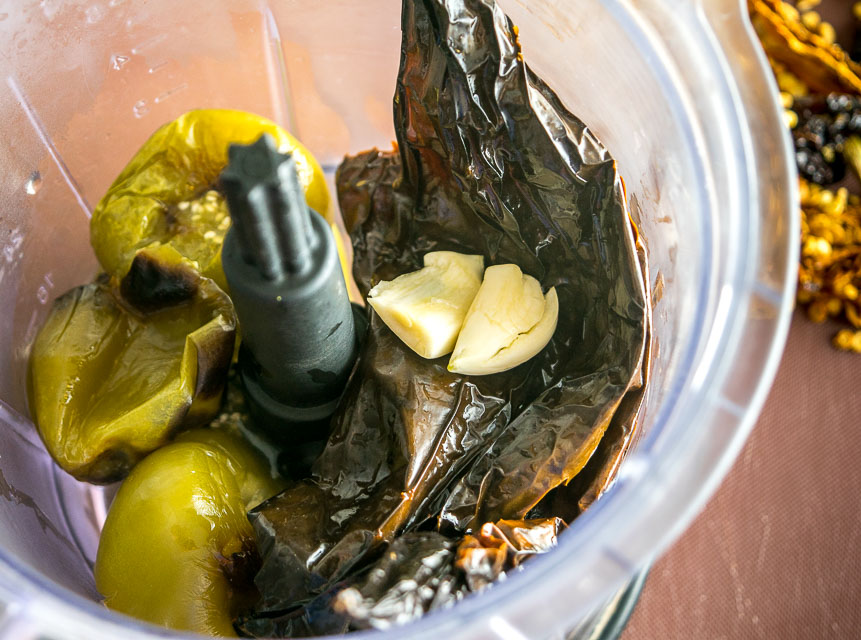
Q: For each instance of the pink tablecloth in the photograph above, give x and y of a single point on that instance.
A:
(777, 551)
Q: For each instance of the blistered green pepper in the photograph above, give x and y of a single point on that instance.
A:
(115, 371)
(167, 193)
(177, 549)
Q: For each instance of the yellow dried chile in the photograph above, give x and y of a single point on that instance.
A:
(807, 5)
(827, 33)
(848, 340)
(812, 56)
(811, 20)
(116, 370)
(168, 192)
(829, 275)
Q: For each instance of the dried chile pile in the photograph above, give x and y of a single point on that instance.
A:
(457, 478)
(820, 85)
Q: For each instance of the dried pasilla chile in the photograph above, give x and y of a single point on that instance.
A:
(168, 193)
(422, 571)
(417, 574)
(115, 371)
(316, 617)
(419, 571)
(509, 171)
(488, 162)
(567, 501)
(406, 428)
(500, 546)
(819, 63)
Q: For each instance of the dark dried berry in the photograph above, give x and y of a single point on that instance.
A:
(838, 130)
(814, 131)
(840, 102)
(813, 166)
(807, 106)
(824, 125)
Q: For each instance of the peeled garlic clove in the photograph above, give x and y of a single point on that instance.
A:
(509, 322)
(426, 308)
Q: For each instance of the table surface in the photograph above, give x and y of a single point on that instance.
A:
(777, 551)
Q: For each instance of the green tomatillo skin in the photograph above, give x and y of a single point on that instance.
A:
(177, 549)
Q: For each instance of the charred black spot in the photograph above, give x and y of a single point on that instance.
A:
(111, 466)
(151, 285)
(241, 567)
(214, 354)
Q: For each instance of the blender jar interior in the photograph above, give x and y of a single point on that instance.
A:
(693, 127)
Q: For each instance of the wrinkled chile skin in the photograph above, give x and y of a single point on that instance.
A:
(488, 161)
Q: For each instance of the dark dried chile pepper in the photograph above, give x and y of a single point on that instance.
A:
(488, 161)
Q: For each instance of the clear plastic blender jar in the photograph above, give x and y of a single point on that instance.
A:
(679, 93)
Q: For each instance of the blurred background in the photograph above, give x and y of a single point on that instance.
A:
(777, 551)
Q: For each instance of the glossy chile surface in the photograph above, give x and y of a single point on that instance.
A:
(488, 162)
(299, 336)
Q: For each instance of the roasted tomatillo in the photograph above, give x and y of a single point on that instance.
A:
(168, 191)
(115, 371)
(257, 482)
(177, 549)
